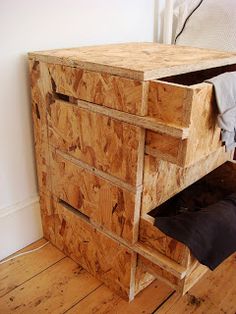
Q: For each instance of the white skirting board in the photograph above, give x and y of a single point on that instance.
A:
(20, 225)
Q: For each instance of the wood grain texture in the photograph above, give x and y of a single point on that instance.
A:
(62, 286)
(143, 278)
(164, 147)
(160, 260)
(180, 285)
(104, 300)
(152, 237)
(170, 103)
(101, 256)
(149, 123)
(198, 109)
(90, 159)
(160, 273)
(215, 293)
(192, 278)
(17, 271)
(204, 133)
(54, 290)
(100, 88)
(147, 60)
(163, 179)
(101, 200)
(107, 144)
(41, 94)
(47, 216)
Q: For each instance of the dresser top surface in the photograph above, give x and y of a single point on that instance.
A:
(142, 61)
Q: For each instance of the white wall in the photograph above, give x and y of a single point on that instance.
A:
(29, 25)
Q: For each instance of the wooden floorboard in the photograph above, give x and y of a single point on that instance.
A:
(46, 281)
(17, 271)
(215, 293)
(54, 290)
(104, 300)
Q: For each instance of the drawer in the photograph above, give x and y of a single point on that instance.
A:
(163, 179)
(156, 240)
(102, 256)
(107, 204)
(192, 106)
(194, 274)
(101, 88)
(222, 181)
(107, 144)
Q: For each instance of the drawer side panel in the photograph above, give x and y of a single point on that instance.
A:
(152, 237)
(163, 179)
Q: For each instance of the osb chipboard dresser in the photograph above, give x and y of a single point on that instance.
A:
(119, 129)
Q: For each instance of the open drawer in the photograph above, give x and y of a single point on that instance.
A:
(181, 285)
(186, 101)
(163, 179)
(179, 113)
(209, 190)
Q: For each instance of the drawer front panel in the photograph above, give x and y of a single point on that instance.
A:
(100, 88)
(105, 203)
(107, 144)
(101, 256)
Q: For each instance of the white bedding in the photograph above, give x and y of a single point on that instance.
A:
(212, 25)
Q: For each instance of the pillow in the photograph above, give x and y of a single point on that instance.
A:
(212, 25)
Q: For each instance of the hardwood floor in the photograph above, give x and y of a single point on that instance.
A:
(46, 281)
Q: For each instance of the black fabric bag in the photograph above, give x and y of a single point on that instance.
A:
(209, 233)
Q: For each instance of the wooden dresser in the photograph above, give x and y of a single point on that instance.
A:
(119, 129)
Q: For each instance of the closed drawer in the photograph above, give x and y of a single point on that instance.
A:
(222, 181)
(89, 191)
(107, 144)
(101, 88)
(100, 255)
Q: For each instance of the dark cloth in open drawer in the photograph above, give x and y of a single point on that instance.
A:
(210, 233)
